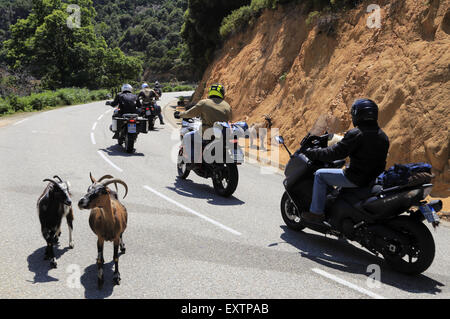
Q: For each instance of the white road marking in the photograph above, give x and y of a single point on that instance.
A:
(109, 162)
(94, 126)
(193, 211)
(346, 283)
(93, 138)
(100, 117)
(17, 123)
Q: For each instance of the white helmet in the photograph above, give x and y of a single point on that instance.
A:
(145, 85)
(127, 88)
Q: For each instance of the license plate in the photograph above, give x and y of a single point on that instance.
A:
(131, 128)
(148, 113)
(429, 213)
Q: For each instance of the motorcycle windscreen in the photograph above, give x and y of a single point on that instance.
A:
(297, 167)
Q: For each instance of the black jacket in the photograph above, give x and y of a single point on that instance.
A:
(127, 102)
(367, 146)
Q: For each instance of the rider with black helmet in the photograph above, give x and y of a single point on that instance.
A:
(366, 145)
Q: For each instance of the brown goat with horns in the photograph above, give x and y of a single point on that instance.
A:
(108, 220)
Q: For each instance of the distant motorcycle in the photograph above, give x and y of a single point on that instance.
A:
(150, 112)
(382, 220)
(128, 128)
(224, 173)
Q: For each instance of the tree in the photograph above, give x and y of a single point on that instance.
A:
(64, 56)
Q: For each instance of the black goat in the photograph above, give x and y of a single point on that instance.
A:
(53, 205)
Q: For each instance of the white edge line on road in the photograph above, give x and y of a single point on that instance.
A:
(17, 123)
(100, 117)
(193, 211)
(93, 138)
(109, 162)
(347, 284)
(94, 126)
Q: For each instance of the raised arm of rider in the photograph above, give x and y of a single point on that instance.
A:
(338, 151)
(192, 112)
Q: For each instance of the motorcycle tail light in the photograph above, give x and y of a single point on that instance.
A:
(147, 109)
(132, 121)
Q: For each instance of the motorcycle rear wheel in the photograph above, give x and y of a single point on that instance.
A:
(227, 184)
(183, 172)
(129, 143)
(419, 256)
(290, 214)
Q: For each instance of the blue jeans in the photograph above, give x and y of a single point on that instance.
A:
(323, 178)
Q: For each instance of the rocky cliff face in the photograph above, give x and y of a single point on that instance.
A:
(298, 72)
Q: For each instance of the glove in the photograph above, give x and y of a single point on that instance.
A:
(176, 115)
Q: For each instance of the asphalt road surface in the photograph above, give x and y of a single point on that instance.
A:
(183, 241)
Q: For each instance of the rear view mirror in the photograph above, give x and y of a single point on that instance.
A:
(108, 102)
(279, 139)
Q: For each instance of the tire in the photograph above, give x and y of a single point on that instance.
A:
(228, 183)
(151, 124)
(422, 248)
(289, 213)
(183, 172)
(129, 143)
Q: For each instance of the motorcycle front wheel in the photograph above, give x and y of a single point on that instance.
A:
(183, 172)
(290, 213)
(225, 184)
(415, 258)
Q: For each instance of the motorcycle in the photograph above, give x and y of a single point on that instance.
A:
(127, 129)
(224, 172)
(384, 221)
(150, 112)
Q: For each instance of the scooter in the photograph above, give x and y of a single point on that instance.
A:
(388, 221)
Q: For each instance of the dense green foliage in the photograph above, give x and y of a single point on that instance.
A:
(149, 29)
(62, 56)
(47, 99)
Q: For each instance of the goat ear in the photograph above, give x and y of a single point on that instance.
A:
(92, 178)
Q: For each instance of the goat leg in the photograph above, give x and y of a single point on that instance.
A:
(122, 245)
(116, 277)
(69, 219)
(50, 254)
(100, 263)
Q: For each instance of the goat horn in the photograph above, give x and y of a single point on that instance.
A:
(108, 177)
(56, 176)
(105, 177)
(53, 182)
(92, 178)
(119, 182)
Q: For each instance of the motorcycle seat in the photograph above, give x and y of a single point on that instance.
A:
(363, 192)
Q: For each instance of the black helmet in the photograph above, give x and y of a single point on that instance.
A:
(364, 110)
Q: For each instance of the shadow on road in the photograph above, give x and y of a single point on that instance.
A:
(117, 150)
(188, 188)
(89, 281)
(343, 256)
(41, 267)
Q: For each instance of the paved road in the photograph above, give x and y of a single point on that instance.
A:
(182, 240)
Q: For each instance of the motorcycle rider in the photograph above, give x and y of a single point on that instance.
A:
(127, 103)
(147, 95)
(366, 145)
(158, 88)
(210, 110)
